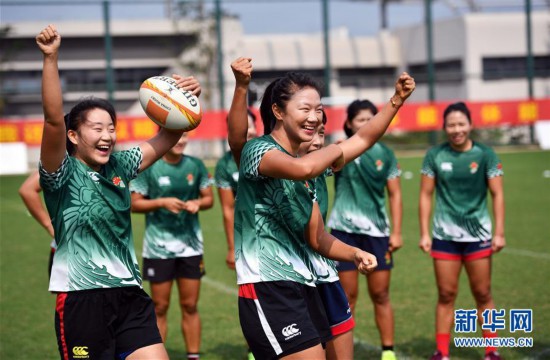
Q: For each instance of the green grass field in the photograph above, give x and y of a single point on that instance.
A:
(520, 277)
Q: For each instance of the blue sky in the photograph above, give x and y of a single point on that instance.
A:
(258, 17)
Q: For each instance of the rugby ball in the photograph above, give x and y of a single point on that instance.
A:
(169, 106)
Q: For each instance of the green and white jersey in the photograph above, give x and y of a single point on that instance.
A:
(90, 213)
(271, 217)
(227, 174)
(360, 203)
(323, 268)
(461, 191)
(322, 192)
(169, 235)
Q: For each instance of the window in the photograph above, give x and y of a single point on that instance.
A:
(444, 71)
(496, 68)
(367, 77)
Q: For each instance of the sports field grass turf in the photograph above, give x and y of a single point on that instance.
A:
(520, 278)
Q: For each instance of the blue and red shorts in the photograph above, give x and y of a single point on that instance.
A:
(460, 251)
(337, 307)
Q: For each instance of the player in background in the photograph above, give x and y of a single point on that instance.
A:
(332, 294)
(461, 171)
(30, 194)
(226, 177)
(358, 218)
(171, 193)
(291, 112)
(101, 308)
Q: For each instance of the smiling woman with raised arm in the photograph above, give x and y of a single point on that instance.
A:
(278, 222)
(95, 272)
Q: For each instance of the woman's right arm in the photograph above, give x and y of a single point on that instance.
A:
(54, 136)
(237, 119)
(427, 186)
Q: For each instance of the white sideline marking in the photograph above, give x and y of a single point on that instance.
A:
(528, 253)
(220, 286)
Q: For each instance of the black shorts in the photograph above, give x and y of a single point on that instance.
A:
(279, 318)
(104, 323)
(160, 270)
(378, 246)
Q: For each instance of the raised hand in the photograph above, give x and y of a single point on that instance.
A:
(188, 83)
(49, 40)
(242, 69)
(404, 86)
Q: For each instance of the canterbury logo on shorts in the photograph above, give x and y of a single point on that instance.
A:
(80, 352)
(290, 331)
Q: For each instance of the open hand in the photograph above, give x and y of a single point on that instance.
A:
(188, 83)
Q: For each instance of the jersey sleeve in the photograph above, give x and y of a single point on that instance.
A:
(251, 157)
(394, 171)
(140, 185)
(205, 178)
(129, 161)
(53, 181)
(494, 166)
(428, 165)
(221, 175)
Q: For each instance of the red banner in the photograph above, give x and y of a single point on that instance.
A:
(411, 117)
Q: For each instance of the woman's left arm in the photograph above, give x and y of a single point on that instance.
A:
(396, 212)
(329, 246)
(496, 189)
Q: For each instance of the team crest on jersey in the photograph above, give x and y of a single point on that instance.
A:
(118, 182)
(235, 176)
(190, 179)
(446, 166)
(164, 181)
(93, 176)
(379, 165)
(473, 167)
